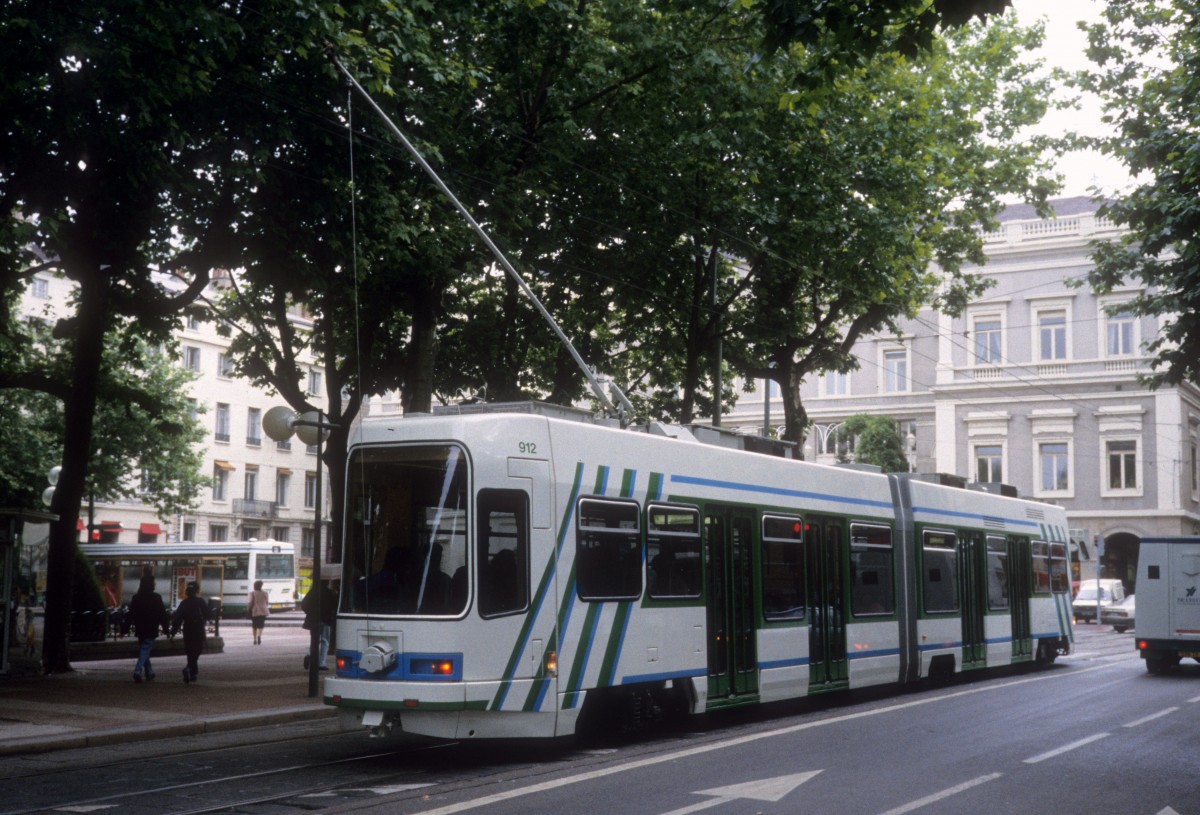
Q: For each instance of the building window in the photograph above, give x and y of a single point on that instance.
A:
(314, 383)
(253, 427)
(224, 366)
(189, 531)
(835, 383)
(1054, 458)
(218, 533)
(222, 430)
(310, 490)
(895, 370)
(1052, 335)
(39, 287)
(987, 340)
(1195, 473)
(193, 320)
(988, 463)
(308, 539)
(1122, 461)
(220, 483)
(251, 485)
(282, 482)
(250, 533)
(191, 358)
(280, 533)
(1119, 340)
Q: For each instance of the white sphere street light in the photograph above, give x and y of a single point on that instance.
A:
(279, 423)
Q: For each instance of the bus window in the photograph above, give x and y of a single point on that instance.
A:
(268, 566)
(407, 531)
(782, 568)
(608, 563)
(872, 583)
(939, 575)
(1060, 580)
(672, 552)
(997, 573)
(502, 556)
(1041, 567)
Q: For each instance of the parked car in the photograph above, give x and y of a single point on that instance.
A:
(1119, 616)
(1086, 602)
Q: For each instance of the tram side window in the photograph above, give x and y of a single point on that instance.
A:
(997, 573)
(872, 583)
(502, 557)
(608, 563)
(1060, 580)
(237, 567)
(1041, 567)
(782, 567)
(672, 552)
(940, 572)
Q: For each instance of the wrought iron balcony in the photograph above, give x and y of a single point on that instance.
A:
(248, 508)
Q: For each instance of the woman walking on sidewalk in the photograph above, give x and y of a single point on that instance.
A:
(192, 616)
(258, 606)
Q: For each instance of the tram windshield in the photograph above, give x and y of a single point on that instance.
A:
(406, 535)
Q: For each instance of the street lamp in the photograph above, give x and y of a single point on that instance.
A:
(279, 423)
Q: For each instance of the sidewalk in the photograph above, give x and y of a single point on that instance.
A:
(246, 685)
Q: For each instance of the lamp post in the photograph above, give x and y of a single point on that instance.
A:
(311, 428)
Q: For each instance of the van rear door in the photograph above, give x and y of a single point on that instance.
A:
(1184, 595)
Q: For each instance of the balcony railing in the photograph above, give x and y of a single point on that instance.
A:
(249, 508)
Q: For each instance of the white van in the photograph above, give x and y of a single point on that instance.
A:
(1093, 596)
(1167, 626)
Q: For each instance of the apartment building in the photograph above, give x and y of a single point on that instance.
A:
(260, 488)
(1035, 386)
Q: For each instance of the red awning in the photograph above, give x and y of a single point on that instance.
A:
(150, 529)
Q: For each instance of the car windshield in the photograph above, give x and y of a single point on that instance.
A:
(1090, 594)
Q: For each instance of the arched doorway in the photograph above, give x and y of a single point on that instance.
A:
(1120, 558)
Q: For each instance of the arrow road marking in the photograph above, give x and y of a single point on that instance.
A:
(767, 789)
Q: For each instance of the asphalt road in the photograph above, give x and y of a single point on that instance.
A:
(1094, 733)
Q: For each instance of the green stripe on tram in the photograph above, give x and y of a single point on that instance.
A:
(543, 588)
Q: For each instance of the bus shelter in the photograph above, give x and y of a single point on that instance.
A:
(21, 531)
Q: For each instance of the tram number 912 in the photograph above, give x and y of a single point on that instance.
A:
(527, 447)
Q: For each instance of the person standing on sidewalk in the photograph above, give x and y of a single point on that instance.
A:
(329, 601)
(147, 615)
(192, 616)
(258, 606)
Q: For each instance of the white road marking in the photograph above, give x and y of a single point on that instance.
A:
(1066, 748)
(766, 789)
(533, 789)
(946, 793)
(1151, 717)
(1194, 699)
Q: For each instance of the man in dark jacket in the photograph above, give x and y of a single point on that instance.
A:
(147, 615)
(192, 615)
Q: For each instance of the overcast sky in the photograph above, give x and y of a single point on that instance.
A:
(1064, 47)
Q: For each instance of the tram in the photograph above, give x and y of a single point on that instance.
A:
(224, 570)
(510, 574)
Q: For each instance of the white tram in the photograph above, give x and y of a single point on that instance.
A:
(507, 573)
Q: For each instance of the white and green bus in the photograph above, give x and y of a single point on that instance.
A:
(224, 570)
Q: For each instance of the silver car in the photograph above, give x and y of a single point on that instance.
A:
(1119, 616)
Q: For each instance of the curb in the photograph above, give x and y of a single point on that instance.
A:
(189, 727)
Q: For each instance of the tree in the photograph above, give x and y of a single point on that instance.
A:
(890, 173)
(876, 440)
(1148, 74)
(120, 159)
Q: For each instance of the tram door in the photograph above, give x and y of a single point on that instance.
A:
(1020, 575)
(972, 573)
(728, 550)
(824, 549)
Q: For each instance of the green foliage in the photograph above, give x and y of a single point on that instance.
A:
(876, 440)
(1147, 57)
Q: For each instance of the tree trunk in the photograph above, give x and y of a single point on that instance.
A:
(795, 417)
(422, 352)
(79, 412)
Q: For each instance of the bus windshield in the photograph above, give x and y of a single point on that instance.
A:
(406, 532)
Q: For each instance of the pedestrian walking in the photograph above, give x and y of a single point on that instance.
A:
(147, 616)
(329, 601)
(258, 605)
(192, 616)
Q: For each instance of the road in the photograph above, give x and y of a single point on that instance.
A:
(1094, 733)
